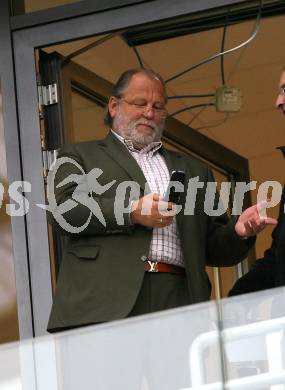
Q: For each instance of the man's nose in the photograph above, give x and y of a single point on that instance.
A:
(148, 112)
(280, 101)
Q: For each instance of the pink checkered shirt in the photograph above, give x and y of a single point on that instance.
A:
(165, 244)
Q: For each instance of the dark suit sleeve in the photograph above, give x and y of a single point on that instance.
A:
(266, 272)
(260, 277)
(224, 246)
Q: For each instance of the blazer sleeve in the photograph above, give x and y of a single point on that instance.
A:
(266, 272)
(224, 246)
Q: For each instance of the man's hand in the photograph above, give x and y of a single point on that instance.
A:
(152, 211)
(253, 220)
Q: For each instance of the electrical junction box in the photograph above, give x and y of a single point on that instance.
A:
(228, 99)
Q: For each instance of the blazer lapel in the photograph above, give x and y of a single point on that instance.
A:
(118, 152)
(173, 161)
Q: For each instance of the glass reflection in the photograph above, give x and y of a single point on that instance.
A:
(8, 307)
(254, 339)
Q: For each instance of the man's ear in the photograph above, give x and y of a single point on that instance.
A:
(113, 106)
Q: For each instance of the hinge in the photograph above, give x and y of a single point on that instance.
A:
(49, 158)
(47, 94)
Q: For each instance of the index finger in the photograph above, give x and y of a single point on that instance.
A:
(270, 221)
(261, 208)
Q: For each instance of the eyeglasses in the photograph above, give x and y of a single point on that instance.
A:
(144, 107)
(282, 90)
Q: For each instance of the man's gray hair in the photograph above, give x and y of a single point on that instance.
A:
(123, 82)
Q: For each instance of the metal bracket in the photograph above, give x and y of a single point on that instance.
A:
(48, 94)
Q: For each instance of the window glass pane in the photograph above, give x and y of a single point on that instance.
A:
(88, 119)
(8, 309)
(151, 352)
(253, 339)
(26, 6)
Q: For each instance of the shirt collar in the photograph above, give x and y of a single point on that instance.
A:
(149, 149)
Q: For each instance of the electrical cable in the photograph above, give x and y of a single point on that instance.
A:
(199, 112)
(88, 47)
(241, 53)
(213, 57)
(218, 123)
(190, 107)
(190, 96)
(223, 47)
(138, 57)
(222, 76)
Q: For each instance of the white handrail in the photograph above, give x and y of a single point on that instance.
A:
(231, 334)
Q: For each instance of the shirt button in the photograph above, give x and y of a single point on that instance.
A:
(144, 258)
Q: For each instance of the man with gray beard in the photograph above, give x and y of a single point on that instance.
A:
(146, 259)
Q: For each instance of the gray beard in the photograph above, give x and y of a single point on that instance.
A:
(128, 130)
(143, 139)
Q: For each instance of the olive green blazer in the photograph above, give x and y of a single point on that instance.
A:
(102, 268)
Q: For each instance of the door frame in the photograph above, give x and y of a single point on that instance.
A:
(26, 38)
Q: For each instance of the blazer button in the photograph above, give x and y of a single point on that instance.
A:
(144, 258)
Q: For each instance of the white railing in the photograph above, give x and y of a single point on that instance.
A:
(168, 350)
(273, 331)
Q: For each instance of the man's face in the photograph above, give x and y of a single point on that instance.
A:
(280, 101)
(139, 115)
